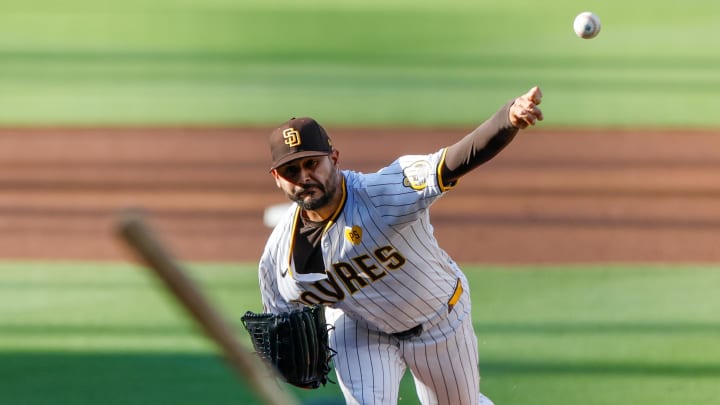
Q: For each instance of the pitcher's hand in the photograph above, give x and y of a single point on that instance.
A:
(525, 110)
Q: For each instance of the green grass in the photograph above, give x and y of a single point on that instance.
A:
(356, 62)
(624, 335)
(88, 333)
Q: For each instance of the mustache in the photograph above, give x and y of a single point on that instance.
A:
(305, 187)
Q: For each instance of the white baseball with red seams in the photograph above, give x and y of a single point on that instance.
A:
(587, 25)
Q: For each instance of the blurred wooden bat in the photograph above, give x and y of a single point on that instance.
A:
(138, 236)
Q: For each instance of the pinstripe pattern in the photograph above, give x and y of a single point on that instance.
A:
(390, 277)
(443, 360)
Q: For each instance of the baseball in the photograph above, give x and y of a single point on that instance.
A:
(586, 25)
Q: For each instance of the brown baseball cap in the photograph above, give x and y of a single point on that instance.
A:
(298, 138)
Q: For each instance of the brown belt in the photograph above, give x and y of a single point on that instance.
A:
(410, 333)
(418, 330)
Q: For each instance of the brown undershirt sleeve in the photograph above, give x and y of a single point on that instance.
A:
(479, 146)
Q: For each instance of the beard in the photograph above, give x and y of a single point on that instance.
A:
(308, 201)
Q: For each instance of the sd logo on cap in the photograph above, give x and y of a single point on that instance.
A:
(298, 138)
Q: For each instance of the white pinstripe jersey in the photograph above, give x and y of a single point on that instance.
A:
(383, 264)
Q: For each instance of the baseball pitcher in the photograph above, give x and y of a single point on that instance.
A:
(361, 246)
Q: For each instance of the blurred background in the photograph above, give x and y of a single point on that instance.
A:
(397, 62)
(589, 242)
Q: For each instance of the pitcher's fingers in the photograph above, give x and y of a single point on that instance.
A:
(535, 95)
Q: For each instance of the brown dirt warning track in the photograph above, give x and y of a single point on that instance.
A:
(567, 196)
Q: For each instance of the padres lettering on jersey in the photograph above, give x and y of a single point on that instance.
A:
(354, 276)
(383, 262)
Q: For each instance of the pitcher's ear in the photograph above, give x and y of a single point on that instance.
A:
(276, 176)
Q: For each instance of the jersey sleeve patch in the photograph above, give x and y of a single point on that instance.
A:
(417, 174)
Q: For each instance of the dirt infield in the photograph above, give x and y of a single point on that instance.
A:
(570, 196)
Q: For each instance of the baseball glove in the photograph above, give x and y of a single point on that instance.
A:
(294, 343)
